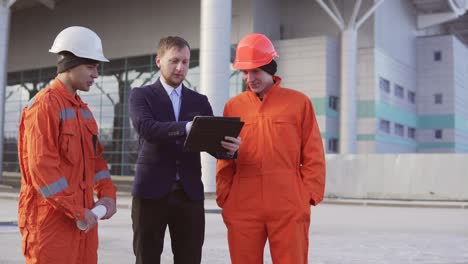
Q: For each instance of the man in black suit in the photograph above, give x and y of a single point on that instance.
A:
(168, 190)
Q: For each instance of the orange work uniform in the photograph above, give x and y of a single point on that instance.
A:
(61, 167)
(279, 173)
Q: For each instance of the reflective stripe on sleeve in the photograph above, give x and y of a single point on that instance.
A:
(54, 188)
(67, 113)
(101, 175)
(86, 114)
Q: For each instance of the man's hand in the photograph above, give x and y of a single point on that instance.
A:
(110, 205)
(231, 144)
(90, 219)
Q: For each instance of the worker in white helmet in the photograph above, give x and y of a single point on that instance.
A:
(60, 159)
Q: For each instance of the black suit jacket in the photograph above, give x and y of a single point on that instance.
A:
(161, 140)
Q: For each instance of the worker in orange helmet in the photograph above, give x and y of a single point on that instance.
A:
(280, 170)
(61, 162)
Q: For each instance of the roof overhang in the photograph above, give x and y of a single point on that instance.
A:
(449, 16)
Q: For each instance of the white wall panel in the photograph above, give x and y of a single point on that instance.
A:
(395, 24)
(367, 126)
(304, 62)
(366, 74)
(435, 77)
(428, 135)
(366, 147)
(398, 176)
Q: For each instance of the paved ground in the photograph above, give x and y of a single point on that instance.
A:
(342, 233)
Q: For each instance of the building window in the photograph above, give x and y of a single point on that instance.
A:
(333, 145)
(107, 103)
(437, 55)
(438, 134)
(412, 132)
(411, 97)
(399, 91)
(399, 130)
(438, 98)
(333, 102)
(384, 85)
(384, 126)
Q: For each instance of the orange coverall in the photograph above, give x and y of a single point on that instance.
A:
(61, 165)
(279, 173)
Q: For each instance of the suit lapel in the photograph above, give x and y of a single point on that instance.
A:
(163, 97)
(191, 106)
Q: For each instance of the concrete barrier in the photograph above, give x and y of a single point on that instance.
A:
(398, 176)
(425, 177)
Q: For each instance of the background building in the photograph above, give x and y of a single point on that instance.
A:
(396, 70)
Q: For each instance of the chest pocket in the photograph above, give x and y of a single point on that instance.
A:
(69, 142)
(249, 134)
(286, 132)
(92, 137)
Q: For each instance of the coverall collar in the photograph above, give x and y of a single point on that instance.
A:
(58, 86)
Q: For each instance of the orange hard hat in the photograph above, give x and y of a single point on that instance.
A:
(253, 51)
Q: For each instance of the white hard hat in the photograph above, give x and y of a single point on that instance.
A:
(81, 41)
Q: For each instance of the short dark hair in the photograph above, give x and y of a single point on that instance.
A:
(67, 60)
(169, 42)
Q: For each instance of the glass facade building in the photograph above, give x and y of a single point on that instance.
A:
(107, 99)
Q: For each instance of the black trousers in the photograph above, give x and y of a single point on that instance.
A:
(186, 221)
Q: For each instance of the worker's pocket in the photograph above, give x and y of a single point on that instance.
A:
(304, 196)
(45, 214)
(285, 128)
(286, 141)
(248, 148)
(227, 195)
(92, 138)
(69, 148)
(27, 214)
